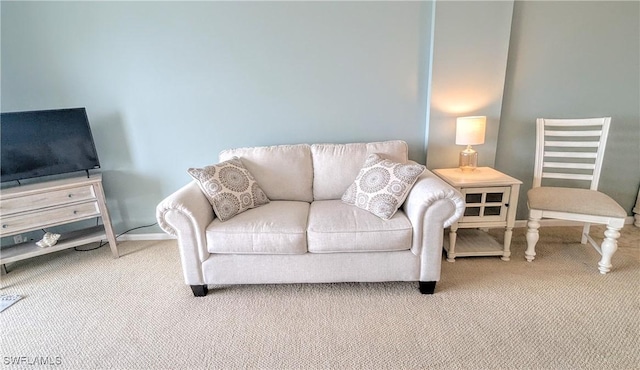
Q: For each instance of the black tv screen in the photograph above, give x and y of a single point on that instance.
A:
(45, 142)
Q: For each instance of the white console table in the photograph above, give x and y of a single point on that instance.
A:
(52, 203)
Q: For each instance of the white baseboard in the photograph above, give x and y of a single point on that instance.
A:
(149, 236)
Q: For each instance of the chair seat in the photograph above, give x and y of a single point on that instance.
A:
(579, 201)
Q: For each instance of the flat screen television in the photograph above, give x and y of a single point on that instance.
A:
(44, 143)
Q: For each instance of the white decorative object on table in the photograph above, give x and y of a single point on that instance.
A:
(48, 240)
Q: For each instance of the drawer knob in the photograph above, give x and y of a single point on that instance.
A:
(5, 226)
(75, 212)
(70, 195)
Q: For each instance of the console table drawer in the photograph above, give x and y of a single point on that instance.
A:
(50, 217)
(46, 199)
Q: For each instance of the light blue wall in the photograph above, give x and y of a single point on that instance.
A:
(167, 85)
(570, 60)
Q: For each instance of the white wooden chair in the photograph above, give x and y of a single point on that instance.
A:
(571, 150)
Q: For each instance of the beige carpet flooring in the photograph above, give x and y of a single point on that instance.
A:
(85, 310)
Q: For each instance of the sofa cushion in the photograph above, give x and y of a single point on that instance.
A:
(275, 228)
(382, 185)
(338, 227)
(335, 166)
(229, 187)
(284, 172)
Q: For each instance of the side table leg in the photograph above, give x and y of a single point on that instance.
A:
(451, 253)
(106, 220)
(506, 253)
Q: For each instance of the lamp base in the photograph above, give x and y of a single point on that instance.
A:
(468, 160)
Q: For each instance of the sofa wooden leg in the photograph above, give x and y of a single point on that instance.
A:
(199, 290)
(427, 287)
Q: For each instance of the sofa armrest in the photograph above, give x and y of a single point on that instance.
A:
(431, 206)
(186, 214)
(428, 189)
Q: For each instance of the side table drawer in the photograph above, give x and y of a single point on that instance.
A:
(46, 199)
(50, 217)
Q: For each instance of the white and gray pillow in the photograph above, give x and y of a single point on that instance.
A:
(229, 187)
(382, 185)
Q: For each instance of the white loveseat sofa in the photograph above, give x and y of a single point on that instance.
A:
(306, 233)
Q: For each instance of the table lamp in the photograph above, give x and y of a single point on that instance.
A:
(470, 131)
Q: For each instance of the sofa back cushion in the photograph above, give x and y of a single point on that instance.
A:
(335, 166)
(284, 172)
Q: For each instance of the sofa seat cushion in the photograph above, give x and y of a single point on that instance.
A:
(338, 227)
(278, 227)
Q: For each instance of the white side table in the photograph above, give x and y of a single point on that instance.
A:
(491, 201)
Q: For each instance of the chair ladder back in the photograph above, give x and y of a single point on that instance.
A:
(570, 149)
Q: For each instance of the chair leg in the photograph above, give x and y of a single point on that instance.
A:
(585, 233)
(608, 247)
(532, 238)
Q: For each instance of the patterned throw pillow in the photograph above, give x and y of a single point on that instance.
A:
(382, 185)
(229, 187)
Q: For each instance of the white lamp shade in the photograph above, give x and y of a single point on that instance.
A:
(470, 130)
